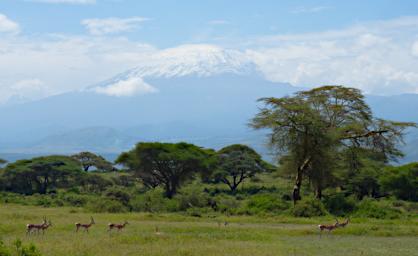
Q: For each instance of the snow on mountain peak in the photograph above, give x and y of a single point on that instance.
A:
(201, 60)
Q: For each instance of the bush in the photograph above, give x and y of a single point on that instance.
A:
(266, 203)
(29, 250)
(309, 207)
(106, 205)
(372, 208)
(227, 204)
(192, 197)
(198, 212)
(153, 201)
(118, 194)
(340, 205)
(402, 181)
(4, 251)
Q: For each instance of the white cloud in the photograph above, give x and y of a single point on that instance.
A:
(63, 63)
(64, 1)
(7, 25)
(112, 25)
(375, 57)
(129, 87)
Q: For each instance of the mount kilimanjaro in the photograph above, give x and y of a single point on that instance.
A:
(200, 94)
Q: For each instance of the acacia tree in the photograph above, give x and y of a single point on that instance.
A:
(312, 129)
(235, 163)
(166, 164)
(40, 174)
(88, 160)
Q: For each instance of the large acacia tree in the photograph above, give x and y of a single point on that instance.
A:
(166, 164)
(314, 131)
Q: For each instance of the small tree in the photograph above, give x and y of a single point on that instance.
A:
(237, 163)
(166, 164)
(88, 160)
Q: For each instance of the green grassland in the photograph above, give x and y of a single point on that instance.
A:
(185, 235)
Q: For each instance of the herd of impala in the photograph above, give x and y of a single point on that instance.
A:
(36, 228)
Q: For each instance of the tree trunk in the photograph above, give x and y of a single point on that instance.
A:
(318, 193)
(298, 183)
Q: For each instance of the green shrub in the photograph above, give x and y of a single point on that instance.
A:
(118, 194)
(4, 251)
(372, 208)
(106, 205)
(309, 207)
(340, 205)
(266, 203)
(153, 201)
(198, 212)
(25, 250)
(227, 204)
(192, 197)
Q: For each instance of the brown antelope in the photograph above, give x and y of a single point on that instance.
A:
(84, 226)
(46, 226)
(119, 227)
(35, 227)
(328, 227)
(343, 224)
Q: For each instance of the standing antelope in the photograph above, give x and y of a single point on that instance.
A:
(327, 227)
(117, 226)
(85, 226)
(35, 227)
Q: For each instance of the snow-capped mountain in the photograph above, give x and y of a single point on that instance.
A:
(200, 94)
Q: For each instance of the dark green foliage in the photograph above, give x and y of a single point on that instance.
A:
(235, 163)
(166, 164)
(153, 201)
(192, 197)
(309, 207)
(88, 160)
(372, 208)
(106, 205)
(266, 203)
(339, 204)
(118, 194)
(401, 181)
(40, 175)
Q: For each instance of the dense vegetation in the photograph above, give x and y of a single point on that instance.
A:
(333, 157)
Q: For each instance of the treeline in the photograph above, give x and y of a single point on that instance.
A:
(333, 156)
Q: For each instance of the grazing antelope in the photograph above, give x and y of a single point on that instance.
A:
(35, 227)
(327, 227)
(46, 226)
(117, 226)
(85, 226)
(343, 224)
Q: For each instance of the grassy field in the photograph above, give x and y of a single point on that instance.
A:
(182, 235)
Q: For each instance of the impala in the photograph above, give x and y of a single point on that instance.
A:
(45, 226)
(328, 227)
(37, 227)
(84, 226)
(342, 225)
(117, 226)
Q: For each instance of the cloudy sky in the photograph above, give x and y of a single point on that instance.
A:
(54, 46)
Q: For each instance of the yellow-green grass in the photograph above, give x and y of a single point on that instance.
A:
(182, 235)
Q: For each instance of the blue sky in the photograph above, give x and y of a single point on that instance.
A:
(53, 46)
